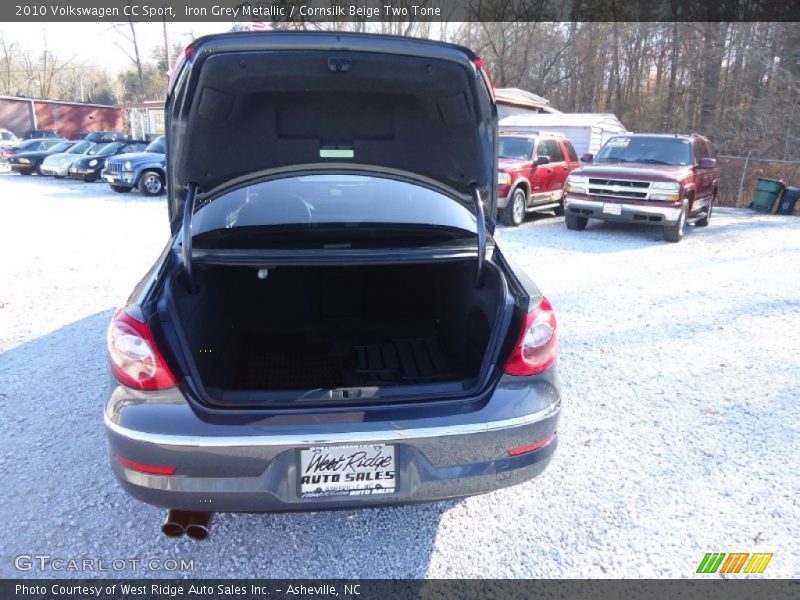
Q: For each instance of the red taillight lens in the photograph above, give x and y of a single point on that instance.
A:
(135, 359)
(180, 59)
(535, 349)
(487, 78)
(143, 468)
(531, 447)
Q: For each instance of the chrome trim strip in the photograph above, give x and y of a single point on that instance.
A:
(306, 439)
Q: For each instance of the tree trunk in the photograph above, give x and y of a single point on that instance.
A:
(713, 51)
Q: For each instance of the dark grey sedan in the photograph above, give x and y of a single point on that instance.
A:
(332, 324)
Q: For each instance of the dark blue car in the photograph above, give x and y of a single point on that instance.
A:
(333, 324)
(142, 170)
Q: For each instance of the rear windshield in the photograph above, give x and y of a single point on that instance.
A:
(313, 200)
(651, 150)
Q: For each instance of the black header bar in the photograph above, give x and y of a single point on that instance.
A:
(299, 12)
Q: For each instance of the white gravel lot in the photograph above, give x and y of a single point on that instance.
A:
(680, 365)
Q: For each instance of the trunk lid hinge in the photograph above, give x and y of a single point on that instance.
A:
(481, 226)
(186, 237)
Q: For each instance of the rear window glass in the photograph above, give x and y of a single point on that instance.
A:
(554, 151)
(312, 200)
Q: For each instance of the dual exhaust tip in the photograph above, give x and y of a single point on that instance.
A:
(196, 525)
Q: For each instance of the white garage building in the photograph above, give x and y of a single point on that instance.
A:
(587, 131)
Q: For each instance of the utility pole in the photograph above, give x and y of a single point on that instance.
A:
(167, 61)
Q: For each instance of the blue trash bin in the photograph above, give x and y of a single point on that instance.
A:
(790, 197)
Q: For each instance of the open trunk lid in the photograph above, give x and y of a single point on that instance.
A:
(249, 105)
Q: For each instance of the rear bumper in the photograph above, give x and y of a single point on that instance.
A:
(642, 214)
(250, 468)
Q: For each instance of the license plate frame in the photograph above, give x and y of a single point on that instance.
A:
(349, 470)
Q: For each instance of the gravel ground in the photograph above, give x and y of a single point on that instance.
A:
(679, 435)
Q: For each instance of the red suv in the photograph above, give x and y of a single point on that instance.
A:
(532, 169)
(666, 180)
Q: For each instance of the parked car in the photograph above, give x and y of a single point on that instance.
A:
(28, 157)
(23, 146)
(531, 172)
(99, 137)
(89, 168)
(649, 179)
(58, 164)
(7, 137)
(143, 170)
(36, 134)
(333, 324)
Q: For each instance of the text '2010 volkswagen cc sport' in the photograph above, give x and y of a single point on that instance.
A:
(332, 324)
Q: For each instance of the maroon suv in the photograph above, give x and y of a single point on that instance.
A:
(532, 169)
(645, 178)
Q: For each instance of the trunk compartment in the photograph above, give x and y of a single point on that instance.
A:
(338, 333)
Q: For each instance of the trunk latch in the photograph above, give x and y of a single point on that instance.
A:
(339, 65)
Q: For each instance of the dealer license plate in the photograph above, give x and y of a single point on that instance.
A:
(347, 470)
(612, 209)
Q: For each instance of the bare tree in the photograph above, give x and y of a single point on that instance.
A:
(131, 49)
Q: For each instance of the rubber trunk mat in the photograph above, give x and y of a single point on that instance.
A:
(262, 366)
(404, 361)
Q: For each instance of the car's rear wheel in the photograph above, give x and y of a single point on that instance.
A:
(151, 184)
(120, 189)
(674, 233)
(25, 172)
(576, 223)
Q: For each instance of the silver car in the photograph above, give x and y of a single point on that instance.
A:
(58, 164)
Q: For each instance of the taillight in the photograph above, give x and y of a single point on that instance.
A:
(180, 60)
(135, 359)
(487, 78)
(144, 468)
(535, 349)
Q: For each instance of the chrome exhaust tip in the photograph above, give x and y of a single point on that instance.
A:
(175, 524)
(199, 525)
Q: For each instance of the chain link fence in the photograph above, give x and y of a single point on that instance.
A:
(738, 177)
